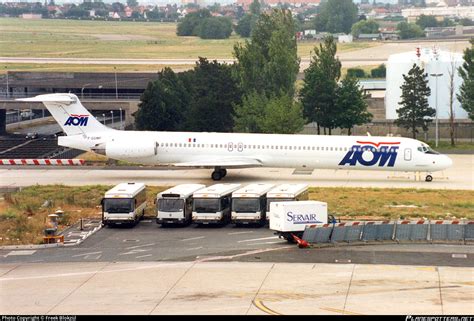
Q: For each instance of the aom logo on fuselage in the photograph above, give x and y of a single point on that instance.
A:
(370, 154)
(77, 120)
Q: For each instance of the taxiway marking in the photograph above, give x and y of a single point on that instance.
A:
(259, 239)
(137, 246)
(193, 238)
(237, 233)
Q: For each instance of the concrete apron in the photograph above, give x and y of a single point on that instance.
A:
(233, 288)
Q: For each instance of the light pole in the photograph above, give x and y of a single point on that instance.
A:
(103, 116)
(436, 105)
(82, 90)
(112, 113)
(120, 117)
(8, 89)
(116, 89)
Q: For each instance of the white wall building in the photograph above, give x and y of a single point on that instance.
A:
(461, 12)
(434, 61)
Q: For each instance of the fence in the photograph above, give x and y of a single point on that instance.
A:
(432, 231)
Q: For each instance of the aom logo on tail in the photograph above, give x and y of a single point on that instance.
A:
(77, 120)
(370, 154)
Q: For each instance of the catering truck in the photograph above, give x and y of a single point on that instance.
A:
(213, 204)
(175, 205)
(124, 204)
(249, 204)
(292, 217)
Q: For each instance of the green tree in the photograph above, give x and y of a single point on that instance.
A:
(425, 21)
(163, 103)
(215, 28)
(356, 72)
(245, 25)
(268, 62)
(365, 26)
(277, 114)
(255, 8)
(379, 72)
(214, 93)
(320, 84)
(351, 105)
(415, 111)
(189, 26)
(249, 113)
(282, 115)
(466, 71)
(409, 30)
(336, 16)
(132, 3)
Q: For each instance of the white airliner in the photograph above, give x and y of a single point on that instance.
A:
(222, 151)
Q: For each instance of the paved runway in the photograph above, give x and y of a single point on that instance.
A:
(233, 288)
(460, 176)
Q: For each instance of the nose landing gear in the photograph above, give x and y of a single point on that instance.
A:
(428, 178)
(218, 173)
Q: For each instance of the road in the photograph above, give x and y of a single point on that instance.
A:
(459, 176)
(227, 270)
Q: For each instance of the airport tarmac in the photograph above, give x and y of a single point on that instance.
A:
(234, 288)
(459, 176)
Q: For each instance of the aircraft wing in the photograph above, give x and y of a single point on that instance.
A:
(225, 162)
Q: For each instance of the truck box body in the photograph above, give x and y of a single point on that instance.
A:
(293, 216)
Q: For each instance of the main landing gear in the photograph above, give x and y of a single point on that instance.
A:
(428, 178)
(218, 173)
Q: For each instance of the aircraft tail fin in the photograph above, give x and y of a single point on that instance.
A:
(70, 114)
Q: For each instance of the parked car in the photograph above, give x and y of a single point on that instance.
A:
(32, 135)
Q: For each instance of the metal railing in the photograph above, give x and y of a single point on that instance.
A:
(84, 96)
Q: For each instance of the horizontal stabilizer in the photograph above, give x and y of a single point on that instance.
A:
(58, 98)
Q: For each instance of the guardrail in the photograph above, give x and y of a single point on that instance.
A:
(108, 96)
(401, 231)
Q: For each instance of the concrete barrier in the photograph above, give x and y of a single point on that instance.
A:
(378, 231)
(469, 232)
(445, 230)
(347, 232)
(412, 230)
(320, 233)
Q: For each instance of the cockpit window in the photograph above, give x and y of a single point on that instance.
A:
(427, 150)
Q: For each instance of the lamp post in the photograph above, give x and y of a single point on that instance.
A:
(112, 113)
(103, 117)
(120, 108)
(436, 106)
(82, 90)
(116, 89)
(8, 87)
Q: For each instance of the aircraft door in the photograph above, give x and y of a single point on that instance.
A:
(230, 147)
(407, 154)
(240, 147)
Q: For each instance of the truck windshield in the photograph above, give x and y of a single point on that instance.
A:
(170, 205)
(206, 205)
(246, 205)
(118, 205)
(269, 200)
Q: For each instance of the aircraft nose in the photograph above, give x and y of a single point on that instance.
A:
(446, 162)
